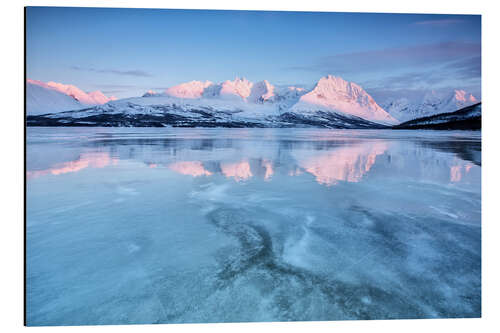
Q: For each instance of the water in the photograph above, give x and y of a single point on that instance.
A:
(231, 225)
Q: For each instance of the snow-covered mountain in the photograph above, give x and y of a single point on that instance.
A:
(50, 97)
(430, 103)
(467, 118)
(261, 92)
(332, 102)
(191, 90)
(42, 99)
(240, 88)
(333, 94)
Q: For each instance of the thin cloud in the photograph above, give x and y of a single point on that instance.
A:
(409, 80)
(116, 86)
(466, 68)
(466, 71)
(113, 91)
(382, 95)
(462, 74)
(392, 58)
(439, 23)
(134, 72)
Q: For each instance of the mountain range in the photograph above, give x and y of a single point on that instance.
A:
(468, 118)
(332, 102)
(430, 103)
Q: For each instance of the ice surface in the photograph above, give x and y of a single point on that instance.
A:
(229, 225)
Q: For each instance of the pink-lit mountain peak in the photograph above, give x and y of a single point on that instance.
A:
(238, 87)
(98, 97)
(72, 91)
(92, 98)
(192, 89)
(463, 96)
(333, 87)
(333, 93)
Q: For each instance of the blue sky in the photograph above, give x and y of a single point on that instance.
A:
(124, 52)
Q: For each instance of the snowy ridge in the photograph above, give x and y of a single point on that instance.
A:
(52, 97)
(92, 98)
(431, 103)
(468, 118)
(42, 99)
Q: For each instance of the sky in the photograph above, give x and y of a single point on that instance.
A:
(125, 52)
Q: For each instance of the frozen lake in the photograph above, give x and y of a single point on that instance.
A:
(142, 225)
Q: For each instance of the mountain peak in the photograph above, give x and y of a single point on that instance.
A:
(240, 87)
(429, 103)
(191, 89)
(43, 99)
(335, 94)
(99, 98)
(329, 79)
(92, 98)
(261, 92)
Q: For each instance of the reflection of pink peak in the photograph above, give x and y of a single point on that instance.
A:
(191, 168)
(335, 94)
(240, 87)
(238, 171)
(193, 89)
(348, 164)
(462, 96)
(458, 171)
(269, 169)
(92, 98)
(86, 160)
(295, 172)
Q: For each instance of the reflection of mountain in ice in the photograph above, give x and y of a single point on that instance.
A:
(344, 164)
(85, 160)
(344, 161)
(155, 226)
(347, 163)
(194, 169)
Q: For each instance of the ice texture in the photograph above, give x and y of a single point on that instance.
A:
(129, 226)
